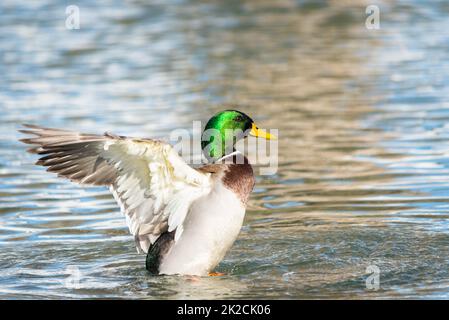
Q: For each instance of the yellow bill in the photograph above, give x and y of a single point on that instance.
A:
(256, 132)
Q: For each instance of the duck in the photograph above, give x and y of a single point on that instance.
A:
(185, 219)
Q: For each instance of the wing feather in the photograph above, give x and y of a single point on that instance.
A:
(152, 184)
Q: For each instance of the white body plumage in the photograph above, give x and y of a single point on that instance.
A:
(210, 228)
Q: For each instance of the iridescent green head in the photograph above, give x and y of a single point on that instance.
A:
(224, 129)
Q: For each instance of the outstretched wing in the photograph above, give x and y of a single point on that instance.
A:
(152, 184)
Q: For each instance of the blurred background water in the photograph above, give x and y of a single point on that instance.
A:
(363, 119)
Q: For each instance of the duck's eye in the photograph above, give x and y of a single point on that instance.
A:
(238, 119)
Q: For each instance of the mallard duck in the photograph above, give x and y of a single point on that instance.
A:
(185, 219)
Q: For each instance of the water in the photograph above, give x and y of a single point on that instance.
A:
(363, 165)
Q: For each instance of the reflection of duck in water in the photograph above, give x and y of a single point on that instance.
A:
(186, 219)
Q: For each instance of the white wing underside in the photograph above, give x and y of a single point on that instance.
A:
(155, 195)
(149, 180)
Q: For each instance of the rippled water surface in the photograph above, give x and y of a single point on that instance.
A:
(363, 175)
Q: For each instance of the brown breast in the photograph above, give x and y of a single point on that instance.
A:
(236, 174)
(240, 179)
